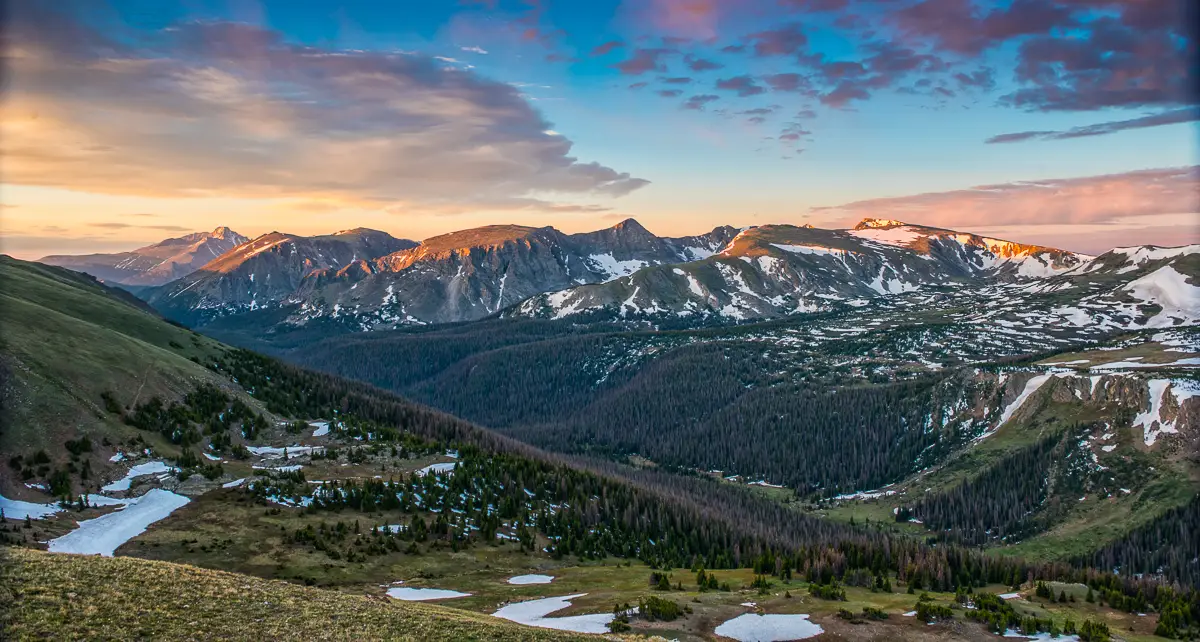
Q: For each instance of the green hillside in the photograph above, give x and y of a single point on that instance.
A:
(67, 341)
(69, 597)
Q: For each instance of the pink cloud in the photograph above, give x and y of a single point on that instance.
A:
(1087, 200)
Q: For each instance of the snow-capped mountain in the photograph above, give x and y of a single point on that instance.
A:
(459, 276)
(154, 264)
(777, 270)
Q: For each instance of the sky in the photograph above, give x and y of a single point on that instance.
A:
(1070, 123)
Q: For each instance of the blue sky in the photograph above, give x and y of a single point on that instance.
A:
(132, 119)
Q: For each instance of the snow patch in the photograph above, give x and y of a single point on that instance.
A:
(103, 535)
(148, 468)
(534, 612)
(521, 580)
(408, 594)
(751, 627)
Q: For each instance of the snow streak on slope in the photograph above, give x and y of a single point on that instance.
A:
(1169, 289)
(1152, 422)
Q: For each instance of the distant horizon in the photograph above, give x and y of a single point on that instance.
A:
(1066, 123)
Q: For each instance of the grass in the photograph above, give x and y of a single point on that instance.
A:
(69, 597)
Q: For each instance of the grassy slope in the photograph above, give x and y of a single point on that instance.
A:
(66, 340)
(75, 597)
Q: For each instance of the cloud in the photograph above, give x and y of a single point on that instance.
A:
(205, 108)
(816, 6)
(958, 26)
(983, 78)
(743, 85)
(669, 93)
(1110, 65)
(606, 48)
(678, 80)
(1086, 200)
(644, 60)
(1185, 115)
(478, 50)
(784, 41)
(698, 102)
(1071, 55)
(123, 226)
(790, 82)
(844, 94)
(700, 64)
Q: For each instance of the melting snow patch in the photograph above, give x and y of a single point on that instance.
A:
(148, 468)
(1013, 633)
(750, 627)
(234, 484)
(117, 457)
(16, 509)
(322, 427)
(446, 467)
(422, 594)
(1009, 596)
(534, 612)
(103, 535)
(271, 452)
(521, 580)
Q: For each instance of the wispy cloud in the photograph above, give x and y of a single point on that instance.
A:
(1173, 117)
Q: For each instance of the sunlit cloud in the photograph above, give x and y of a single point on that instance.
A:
(1087, 203)
(206, 108)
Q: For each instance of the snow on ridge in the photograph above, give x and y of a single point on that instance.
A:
(1140, 254)
(816, 250)
(894, 236)
(614, 268)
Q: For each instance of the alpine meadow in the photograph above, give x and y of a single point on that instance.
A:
(730, 320)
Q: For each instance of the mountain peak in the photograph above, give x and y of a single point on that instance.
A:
(225, 233)
(630, 224)
(868, 223)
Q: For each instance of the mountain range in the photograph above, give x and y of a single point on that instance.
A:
(362, 279)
